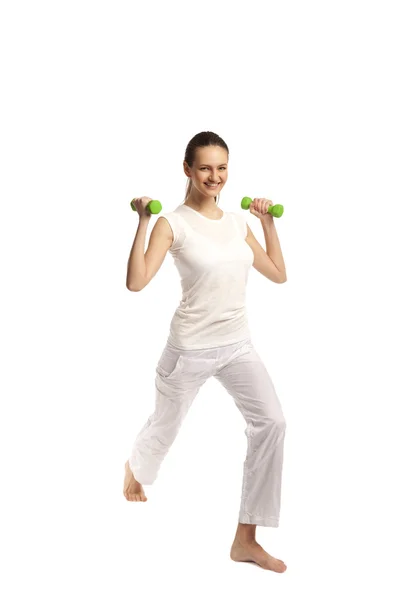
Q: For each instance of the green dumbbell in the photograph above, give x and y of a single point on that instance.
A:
(276, 210)
(153, 207)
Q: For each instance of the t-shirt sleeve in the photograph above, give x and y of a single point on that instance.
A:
(177, 231)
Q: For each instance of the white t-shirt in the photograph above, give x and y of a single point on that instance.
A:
(213, 260)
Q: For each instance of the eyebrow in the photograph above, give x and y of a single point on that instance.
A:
(204, 165)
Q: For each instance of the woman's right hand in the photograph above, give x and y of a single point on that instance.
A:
(140, 205)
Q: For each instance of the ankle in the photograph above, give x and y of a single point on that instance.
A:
(245, 533)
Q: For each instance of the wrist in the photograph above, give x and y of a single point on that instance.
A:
(267, 223)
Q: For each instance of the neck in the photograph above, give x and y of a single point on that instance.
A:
(207, 203)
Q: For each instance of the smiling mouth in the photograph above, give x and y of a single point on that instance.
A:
(212, 186)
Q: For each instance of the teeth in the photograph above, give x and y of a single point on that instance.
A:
(212, 185)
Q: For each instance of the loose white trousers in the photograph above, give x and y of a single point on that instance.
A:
(238, 367)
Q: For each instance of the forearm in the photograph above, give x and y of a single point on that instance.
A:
(136, 273)
(273, 247)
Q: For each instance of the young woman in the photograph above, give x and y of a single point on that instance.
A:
(209, 336)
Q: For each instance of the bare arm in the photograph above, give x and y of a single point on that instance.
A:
(143, 266)
(263, 262)
(274, 248)
(136, 273)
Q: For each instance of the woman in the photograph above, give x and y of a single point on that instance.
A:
(209, 336)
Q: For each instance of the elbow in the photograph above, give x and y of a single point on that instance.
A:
(133, 288)
(138, 287)
(136, 283)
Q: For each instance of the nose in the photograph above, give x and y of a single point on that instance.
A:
(214, 179)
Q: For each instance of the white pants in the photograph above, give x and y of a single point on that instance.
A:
(238, 367)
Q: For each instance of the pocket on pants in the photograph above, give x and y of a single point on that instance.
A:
(168, 365)
(184, 369)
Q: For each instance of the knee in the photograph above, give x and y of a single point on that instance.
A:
(281, 423)
(275, 423)
(270, 430)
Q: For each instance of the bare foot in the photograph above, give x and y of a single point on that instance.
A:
(133, 490)
(252, 552)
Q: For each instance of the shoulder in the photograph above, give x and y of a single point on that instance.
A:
(170, 224)
(164, 227)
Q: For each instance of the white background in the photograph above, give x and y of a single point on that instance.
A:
(99, 100)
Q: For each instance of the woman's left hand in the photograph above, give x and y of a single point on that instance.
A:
(259, 208)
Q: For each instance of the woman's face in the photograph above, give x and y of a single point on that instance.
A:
(210, 166)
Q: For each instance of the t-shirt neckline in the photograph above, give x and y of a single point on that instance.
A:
(203, 216)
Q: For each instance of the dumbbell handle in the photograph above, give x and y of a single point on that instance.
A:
(153, 207)
(276, 210)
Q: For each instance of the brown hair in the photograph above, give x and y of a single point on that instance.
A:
(201, 140)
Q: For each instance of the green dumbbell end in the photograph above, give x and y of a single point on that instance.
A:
(276, 210)
(246, 201)
(153, 207)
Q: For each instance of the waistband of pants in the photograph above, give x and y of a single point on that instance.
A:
(223, 347)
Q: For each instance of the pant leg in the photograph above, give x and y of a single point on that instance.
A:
(179, 377)
(246, 379)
